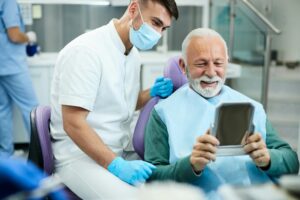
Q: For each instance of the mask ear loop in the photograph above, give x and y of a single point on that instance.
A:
(140, 15)
(140, 12)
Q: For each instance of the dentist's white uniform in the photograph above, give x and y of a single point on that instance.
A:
(93, 73)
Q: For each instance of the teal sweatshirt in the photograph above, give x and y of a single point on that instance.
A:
(283, 159)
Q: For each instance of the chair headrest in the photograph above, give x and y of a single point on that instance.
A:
(172, 70)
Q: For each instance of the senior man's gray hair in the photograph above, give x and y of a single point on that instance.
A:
(200, 32)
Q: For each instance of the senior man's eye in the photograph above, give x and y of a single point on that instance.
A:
(219, 63)
(200, 65)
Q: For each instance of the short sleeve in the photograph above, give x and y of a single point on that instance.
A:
(11, 15)
(79, 78)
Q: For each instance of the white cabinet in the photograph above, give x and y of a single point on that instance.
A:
(19, 132)
(41, 83)
(41, 70)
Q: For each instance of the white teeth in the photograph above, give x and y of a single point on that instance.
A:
(209, 90)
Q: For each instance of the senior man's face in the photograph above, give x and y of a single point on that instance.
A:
(206, 65)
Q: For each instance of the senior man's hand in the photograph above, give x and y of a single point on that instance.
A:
(257, 150)
(204, 151)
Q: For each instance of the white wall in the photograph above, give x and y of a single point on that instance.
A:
(299, 147)
(286, 16)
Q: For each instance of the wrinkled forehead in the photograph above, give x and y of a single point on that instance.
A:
(208, 47)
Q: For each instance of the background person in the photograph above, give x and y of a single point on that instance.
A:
(15, 82)
(19, 177)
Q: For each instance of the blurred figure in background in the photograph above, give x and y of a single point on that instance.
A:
(15, 83)
(19, 178)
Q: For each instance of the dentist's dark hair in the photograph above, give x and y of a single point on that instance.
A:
(170, 5)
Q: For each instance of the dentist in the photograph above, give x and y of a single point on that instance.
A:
(95, 91)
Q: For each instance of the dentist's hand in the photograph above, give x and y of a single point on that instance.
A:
(204, 151)
(162, 87)
(257, 150)
(131, 172)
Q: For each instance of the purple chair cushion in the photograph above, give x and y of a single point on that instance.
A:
(42, 119)
(172, 71)
(41, 143)
(138, 135)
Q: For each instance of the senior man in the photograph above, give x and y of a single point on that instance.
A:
(178, 140)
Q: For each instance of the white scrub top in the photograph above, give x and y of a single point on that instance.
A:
(12, 55)
(92, 72)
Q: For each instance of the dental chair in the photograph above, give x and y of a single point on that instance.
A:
(40, 149)
(172, 71)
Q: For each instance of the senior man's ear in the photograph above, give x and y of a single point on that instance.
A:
(182, 65)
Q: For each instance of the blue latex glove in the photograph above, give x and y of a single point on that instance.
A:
(132, 172)
(162, 87)
(18, 176)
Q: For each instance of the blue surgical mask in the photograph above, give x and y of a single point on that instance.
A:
(145, 37)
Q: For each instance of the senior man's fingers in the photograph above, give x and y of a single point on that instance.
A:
(253, 146)
(204, 154)
(256, 137)
(205, 147)
(207, 138)
(257, 154)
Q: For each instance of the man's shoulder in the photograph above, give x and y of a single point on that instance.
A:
(179, 93)
(11, 2)
(91, 38)
(84, 43)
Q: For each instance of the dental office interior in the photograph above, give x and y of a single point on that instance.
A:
(262, 38)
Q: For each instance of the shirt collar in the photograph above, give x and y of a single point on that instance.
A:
(116, 37)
